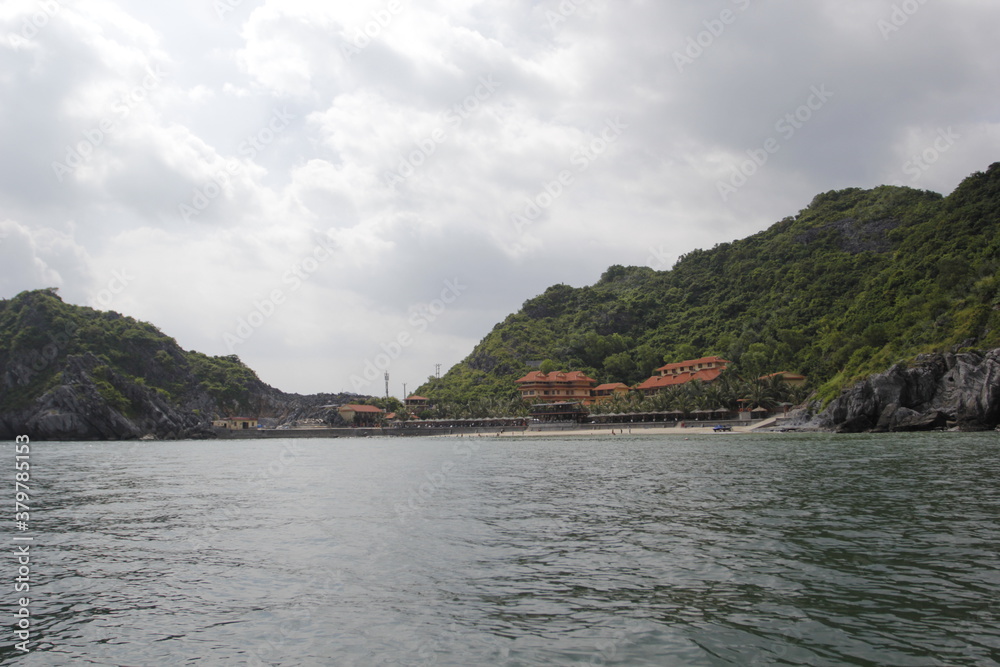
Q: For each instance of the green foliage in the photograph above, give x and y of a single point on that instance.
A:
(225, 379)
(857, 281)
(548, 366)
(101, 376)
(729, 393)
(39, 332)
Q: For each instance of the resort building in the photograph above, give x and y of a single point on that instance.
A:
(236, 423)
(414, 401)
(606, 392)
(563, 411)
(706, 369)
(791, 379)
(361, 415)
(538, 387)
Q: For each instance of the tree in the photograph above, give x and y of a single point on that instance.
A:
(619, 367)
(682, 352)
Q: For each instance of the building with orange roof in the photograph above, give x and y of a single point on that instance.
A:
(606, 392)
(361, 415)
(556, 387)
(236, 423)
(793, 379)
(706, 369)
(694, 366)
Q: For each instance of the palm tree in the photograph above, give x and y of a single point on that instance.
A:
(682, 402)
(760, 393)
(660, 401)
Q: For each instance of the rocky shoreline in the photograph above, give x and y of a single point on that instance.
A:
(958, 391)
(79, 408)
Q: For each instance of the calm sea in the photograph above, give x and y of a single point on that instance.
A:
(783, 549)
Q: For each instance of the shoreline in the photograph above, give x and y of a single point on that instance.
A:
(613, 430)
(625, 431)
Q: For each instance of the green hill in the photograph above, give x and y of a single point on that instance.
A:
(857, 281)
(77, 373)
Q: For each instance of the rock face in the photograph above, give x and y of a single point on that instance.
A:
(936, 391)
(73, 373)
(93, 402)
(109, 407)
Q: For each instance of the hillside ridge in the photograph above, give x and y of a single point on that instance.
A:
(857, 281)
(75, 373)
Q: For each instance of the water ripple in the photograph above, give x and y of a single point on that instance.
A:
(804, 549)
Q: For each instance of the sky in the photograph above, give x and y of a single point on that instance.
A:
(333, 191)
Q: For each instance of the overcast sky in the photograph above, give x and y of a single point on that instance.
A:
(335, 189)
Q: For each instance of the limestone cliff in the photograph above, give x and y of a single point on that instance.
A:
(935, 391)
(74, 373)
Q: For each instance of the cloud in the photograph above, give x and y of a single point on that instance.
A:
(41, 257)
(208, 149)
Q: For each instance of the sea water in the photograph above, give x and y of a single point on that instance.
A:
(722, 549)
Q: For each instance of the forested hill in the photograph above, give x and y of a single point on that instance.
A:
(857, 281)
(71, 372)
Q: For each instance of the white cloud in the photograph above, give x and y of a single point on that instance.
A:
(391, 145)
(38, 257)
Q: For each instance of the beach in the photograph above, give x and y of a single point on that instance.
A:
(622, 430)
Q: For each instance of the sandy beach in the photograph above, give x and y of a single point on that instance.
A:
(623, 431)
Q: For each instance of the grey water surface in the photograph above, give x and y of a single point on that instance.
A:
(725, 549)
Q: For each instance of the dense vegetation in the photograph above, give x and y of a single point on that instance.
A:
(857, 281)
(39, 332)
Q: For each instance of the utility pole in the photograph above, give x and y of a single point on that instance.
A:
(387, 385)
(404, 391)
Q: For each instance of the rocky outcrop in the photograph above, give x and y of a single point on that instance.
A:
(92, 402)
(72, 373)
(935, 391)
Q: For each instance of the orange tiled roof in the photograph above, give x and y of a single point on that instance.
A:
(707, 375)
(361, 408)
(572, 376)
(784, 374)
(610, 386)
(664, 381)
(693, 362)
